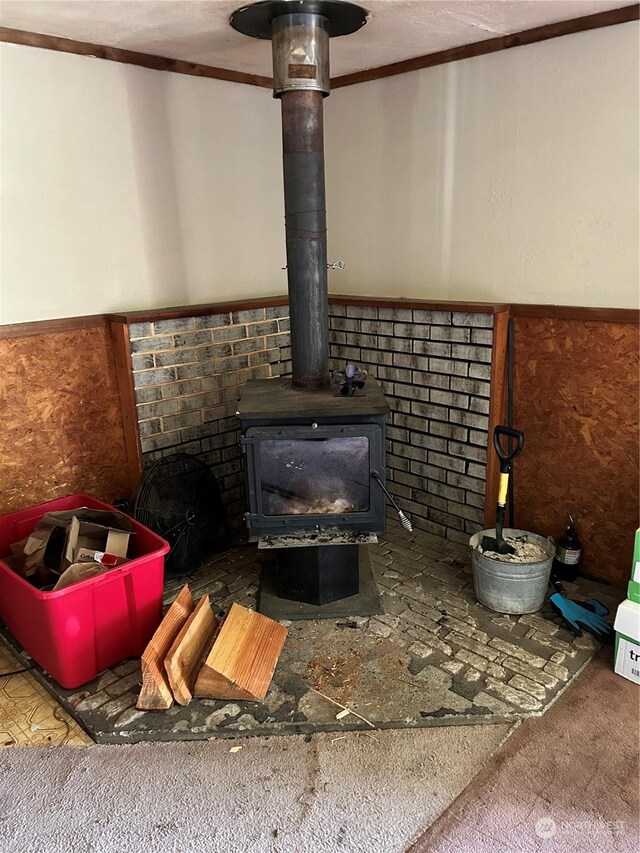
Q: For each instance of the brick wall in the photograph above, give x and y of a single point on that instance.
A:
(188, 374)
(434, 367)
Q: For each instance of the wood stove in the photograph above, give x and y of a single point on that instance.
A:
(314, 451)
(313, 463)
(310, 459)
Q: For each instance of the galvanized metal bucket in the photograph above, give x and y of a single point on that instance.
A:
(514, 588)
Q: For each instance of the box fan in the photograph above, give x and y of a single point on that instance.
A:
(179, 498)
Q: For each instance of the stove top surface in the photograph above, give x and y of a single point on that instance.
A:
(277, 398)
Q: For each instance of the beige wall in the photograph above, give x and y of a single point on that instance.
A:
(124, 188)
(507, 177)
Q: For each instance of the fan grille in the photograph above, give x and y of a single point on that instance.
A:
(179, 498)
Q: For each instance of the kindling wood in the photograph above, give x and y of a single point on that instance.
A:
(230, 659)
(243, 658)
(156, 694)
(183, 658)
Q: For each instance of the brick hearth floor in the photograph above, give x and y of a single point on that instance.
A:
(436, 656)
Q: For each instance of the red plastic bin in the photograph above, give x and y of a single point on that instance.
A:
(78, 631)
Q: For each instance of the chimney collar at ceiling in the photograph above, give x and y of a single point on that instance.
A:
(256, 20)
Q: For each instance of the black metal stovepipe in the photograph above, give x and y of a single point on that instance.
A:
(306, 236)
(300, 31)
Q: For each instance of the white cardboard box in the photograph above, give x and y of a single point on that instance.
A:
(627, 653)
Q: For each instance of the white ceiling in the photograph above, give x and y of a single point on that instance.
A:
(198, 30)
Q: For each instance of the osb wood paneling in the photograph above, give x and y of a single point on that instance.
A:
(48, 327)
(60, 424)
(576, 398)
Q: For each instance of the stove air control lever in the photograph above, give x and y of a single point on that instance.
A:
(404, 521)
(314, 425)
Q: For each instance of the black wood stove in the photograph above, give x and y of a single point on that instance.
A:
(310, 461)
(314, 450)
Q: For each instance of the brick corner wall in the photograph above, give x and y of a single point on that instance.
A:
(188, 374)
(435, 368)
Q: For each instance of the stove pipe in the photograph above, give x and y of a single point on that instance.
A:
(299, 31)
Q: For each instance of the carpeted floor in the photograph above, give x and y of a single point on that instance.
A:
(350, 792)
(563, 783)
(567, 782)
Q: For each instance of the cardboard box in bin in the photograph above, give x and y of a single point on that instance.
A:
(110, 535)
(76, 632)
(49, 544)
(87, 543)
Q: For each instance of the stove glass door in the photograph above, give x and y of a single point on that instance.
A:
(319, 476)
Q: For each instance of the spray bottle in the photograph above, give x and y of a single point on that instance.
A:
(566, 564)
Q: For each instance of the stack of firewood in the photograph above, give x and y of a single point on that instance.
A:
(197, 653)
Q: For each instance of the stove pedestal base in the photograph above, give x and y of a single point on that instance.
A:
(326, 582)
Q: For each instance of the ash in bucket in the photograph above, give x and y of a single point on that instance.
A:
(525, 551)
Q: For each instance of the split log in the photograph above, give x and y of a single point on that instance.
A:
(156, 694)
(182, 661)
(243, 657)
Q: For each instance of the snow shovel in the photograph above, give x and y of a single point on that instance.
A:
(499, 544)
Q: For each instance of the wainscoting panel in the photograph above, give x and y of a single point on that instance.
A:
(61, 420)
(576, 399)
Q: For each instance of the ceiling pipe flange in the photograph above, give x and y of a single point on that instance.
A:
(256, 20)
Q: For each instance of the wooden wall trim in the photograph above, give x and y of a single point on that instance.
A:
(555, 312)
(124, 373)
(497, 410)
(428, 304)
(467, 51)
(268, 302)
(482, 48)
(50, 327)
(570, 312)
(130, 57)
(198, 310)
